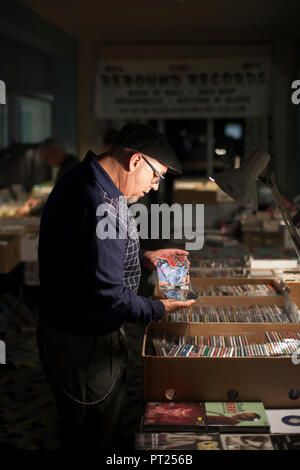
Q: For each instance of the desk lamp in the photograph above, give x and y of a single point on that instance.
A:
(241, 185)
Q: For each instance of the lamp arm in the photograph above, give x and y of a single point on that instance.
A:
(270, 180)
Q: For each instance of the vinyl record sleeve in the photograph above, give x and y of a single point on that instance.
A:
(177, 441)
(237, 417)
(166, 416)
(286, 441)
(246, 442)
(284, 421)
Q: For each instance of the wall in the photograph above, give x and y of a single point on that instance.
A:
(184, 26)
(283, 72)
(39, 49)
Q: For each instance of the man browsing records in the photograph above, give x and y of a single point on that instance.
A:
(90, 266)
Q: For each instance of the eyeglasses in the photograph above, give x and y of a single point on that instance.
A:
(160, 177)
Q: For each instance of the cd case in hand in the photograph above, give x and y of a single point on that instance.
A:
(174, 277)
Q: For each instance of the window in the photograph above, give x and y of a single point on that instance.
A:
(3, 125)
(25, 120)
(29, 119)
(24, 123)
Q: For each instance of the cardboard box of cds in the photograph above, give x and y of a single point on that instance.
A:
(240, 287)
(226, 291)
(273, 380)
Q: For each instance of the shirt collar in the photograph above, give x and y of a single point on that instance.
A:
(101, 175)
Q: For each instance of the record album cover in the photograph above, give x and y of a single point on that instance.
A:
(246, 442)
(237, 417)
(183, 416)
(177, 441)
(284, 421)
(286, 441)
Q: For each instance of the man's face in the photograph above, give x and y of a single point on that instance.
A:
(144, 177)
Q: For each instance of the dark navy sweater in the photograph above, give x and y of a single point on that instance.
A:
(88, 285)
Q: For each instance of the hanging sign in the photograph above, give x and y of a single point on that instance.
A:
(168, 89)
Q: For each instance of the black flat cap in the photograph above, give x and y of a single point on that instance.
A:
(149, 141)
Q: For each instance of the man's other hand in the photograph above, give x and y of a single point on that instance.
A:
(174, 305)
(150, 261)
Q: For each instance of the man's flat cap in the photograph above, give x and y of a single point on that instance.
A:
(148, 141)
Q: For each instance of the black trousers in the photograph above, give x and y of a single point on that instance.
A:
(87, 377)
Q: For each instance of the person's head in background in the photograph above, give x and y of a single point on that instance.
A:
(52, 152)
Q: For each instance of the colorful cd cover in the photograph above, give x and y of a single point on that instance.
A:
(237, 417)
(174, 278)
(186, 416)
(246, 442)
(177, 441)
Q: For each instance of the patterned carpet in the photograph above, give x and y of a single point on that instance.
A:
(29, 419)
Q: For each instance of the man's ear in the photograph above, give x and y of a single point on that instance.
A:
(134, 162)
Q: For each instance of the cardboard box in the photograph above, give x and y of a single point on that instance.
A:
(273, 263)
(277, 285)
(29, 246)
(28, 239)
(273, 239)
(272, 380)
(264, 239)
(262, 215)
(194, 197)
(198, 283)
(271, 226)
(253, 238)
(9, 252)
(194, 191)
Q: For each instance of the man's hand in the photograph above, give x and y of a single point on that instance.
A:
(27, 206)
(174, 305)
(149, 258)
(32, 202)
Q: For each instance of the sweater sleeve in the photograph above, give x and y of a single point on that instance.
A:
(104, 267)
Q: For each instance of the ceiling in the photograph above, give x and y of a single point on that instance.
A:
(142, 19)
